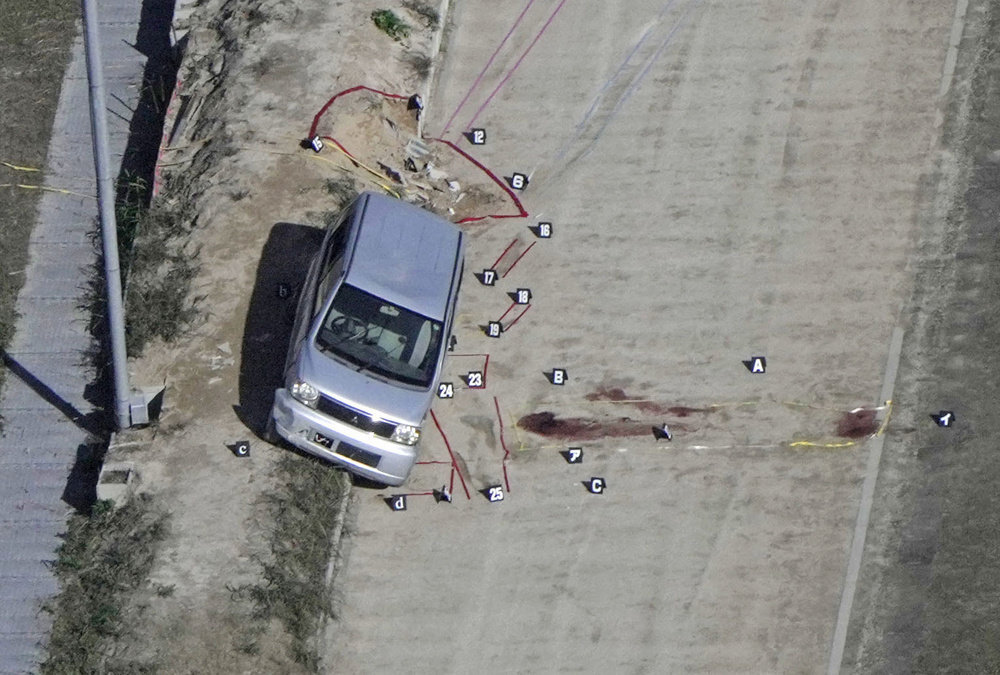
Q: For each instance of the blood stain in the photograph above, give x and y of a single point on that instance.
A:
(618, 395)
(857, 424)
(579, 428)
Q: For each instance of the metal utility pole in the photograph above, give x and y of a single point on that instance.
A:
(109, 226)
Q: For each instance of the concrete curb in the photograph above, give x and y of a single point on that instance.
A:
(334, 563)
(436, 40)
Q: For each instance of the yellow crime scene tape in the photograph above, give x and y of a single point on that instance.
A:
(47, 189)
(20, 168)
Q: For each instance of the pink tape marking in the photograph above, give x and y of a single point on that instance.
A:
(489, 63)
(516, 65)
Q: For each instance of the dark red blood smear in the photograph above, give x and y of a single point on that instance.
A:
(650, 408)
(613, 394)
(857, 424)
(683, 411)
(579, 428)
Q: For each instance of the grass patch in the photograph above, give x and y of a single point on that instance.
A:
(160, 269)
(157, 267)
(35, 42)
(104, 559)
(391, 24)
(304, 509)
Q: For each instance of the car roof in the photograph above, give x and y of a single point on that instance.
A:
(404, 254)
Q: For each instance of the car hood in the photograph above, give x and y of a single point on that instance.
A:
(362, 390)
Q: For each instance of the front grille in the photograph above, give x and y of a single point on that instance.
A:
(355, 418)
(357, 454)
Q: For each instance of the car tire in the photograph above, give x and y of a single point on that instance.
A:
(269, 434)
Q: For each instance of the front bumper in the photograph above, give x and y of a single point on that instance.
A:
(298, 423)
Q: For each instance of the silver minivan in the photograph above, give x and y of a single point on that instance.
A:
(371, 330)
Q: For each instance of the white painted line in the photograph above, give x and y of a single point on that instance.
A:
(864, 513)
(951, 58)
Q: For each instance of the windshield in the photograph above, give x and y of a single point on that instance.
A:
(380, 337)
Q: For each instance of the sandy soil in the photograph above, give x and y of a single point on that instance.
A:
(256, 74)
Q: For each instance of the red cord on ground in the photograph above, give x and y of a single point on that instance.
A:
(517, 260)
(503, 443)
(521, 213)
(517, 318)
(497, 261)
(512, 306)
(326, 106)
(454, 464)
(342, 148)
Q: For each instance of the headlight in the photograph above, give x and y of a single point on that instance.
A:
(304, 393)
(405, 434)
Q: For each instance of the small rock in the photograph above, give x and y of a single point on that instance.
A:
(454, 186)
(225, 348)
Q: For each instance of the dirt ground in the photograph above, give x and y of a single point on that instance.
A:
(722, 182)
(256, 73)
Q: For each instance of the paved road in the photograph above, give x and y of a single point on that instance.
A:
(928, 588)
(724, 181)
(46, 403)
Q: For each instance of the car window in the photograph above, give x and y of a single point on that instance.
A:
(333, 265)
(380, 337)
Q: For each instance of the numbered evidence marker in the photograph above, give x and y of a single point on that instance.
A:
(572, 455)
(945, 418)
(521, 296)
(557, 376)
(487, 277)
(494, 493)
(316, 143)
(596, 485)
(396, 502)
(542, 230)
(757, 365)
(518, 181)
(443, 495)
(494, 329)
(241, 448)
(476, 136)
(446, 390)
(474, 380)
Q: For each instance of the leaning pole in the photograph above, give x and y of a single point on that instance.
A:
(106, 204)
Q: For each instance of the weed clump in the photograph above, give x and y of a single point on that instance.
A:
(304, 508)
(391, 24)
(105, 557)
(157, 268)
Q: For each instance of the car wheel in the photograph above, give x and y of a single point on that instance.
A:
(270, 434)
